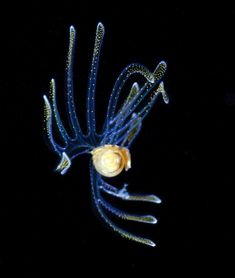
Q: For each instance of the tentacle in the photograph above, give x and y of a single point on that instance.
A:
(158, 75)
(133, 134)
(146, 109)
(115, 132)
(70, 97)
(125, 135)
(124, 108)
(59, 123)
(125, 195)
(133, 92)
(64, 164)
(48, 126)
(96, 197)
(130, 135)
(72, 147)
(106, 187)
(92, 82)
(136, 99)
(125, 74)
(126, 216)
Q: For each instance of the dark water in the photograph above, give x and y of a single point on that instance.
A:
(184, 154)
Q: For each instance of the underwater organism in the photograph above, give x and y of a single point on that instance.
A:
(109, 149)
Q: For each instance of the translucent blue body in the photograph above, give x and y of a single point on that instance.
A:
(121, 126)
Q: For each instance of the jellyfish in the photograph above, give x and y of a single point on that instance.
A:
(109, 149)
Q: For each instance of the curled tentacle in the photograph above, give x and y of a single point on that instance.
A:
(146, 109)
(138, 95)
(121, 80)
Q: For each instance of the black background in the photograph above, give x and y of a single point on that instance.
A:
(184, 154)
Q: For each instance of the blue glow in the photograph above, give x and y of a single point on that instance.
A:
(120, 128)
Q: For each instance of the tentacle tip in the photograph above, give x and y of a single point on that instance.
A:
(151, 243)
(136, 86)
(166, 98)
(72, 29)
(45, 98)
(151, 219)
(47, 105)
(161, 90)
(163, 63)
(154, 220)
(134, 115)
(100, 27)
(52, 82)
(64, 164)
(62, 172)
(151, 78)
(156, 199)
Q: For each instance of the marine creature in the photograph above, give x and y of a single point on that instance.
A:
(109, 149)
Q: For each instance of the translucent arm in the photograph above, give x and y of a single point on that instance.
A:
(146, 109)
(91, 124)
(127, 216)
(125, 74)
(135, 127)
(71, 148)
(108, 137)
(48, 127)
(127, 141)
(133, 92)
(125, 195)
(70, 97)
(136, 96)
(96, 196)
(59, 123)
(130, 134)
